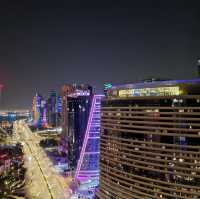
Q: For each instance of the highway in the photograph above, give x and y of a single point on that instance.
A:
(44, 182)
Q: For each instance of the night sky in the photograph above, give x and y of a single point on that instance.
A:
(44, 44)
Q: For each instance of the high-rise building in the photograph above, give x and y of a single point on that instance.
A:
(76, 103)
(39, 111)
(59, 110)
(59, 104)
(88, 164)
(51, 109)
(54, 108)
(150, 141)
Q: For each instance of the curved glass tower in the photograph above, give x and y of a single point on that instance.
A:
(88, 164)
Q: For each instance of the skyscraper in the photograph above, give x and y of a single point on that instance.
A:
(54, 108)
(88, 164)
(150, 141)
(51, 109)
(76, 100)
(39, 111)
(59, 110)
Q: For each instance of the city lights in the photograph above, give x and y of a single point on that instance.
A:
(91, 104)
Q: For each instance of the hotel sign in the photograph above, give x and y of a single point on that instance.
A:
(126, 93)
(156, 91)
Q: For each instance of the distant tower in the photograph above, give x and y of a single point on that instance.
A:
(39, 111)
(51, 106)
(66, 91)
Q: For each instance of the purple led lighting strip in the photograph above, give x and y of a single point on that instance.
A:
(80, 161)
(86, 171)
(93, 152)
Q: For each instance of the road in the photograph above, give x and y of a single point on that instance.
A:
(44, 181)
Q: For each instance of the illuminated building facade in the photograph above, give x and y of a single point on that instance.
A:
(75, 112)
(59, 104)
(54, 109)
(88, 164)
(150, 141)
(39, 110)
(59, 110)
(51, 109)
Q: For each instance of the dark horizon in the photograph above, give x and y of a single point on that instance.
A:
(46, 44)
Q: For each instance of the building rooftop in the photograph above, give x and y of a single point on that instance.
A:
(156, 83)
(156, 88)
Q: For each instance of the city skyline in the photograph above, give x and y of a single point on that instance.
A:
(100, 99)
(46, 45)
